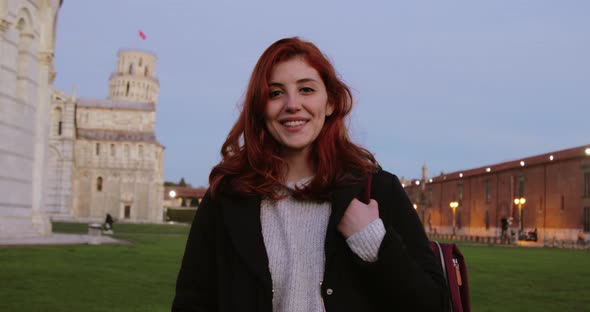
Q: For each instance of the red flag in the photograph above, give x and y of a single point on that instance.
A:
(142, 35)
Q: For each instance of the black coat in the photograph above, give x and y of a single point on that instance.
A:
(225, 265)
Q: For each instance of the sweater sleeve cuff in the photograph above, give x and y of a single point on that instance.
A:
(366, 242)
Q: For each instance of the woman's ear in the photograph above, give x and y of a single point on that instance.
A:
(329, 109)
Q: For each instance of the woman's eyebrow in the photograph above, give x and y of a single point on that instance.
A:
(275, 84)
(302, 80)
(306, 80)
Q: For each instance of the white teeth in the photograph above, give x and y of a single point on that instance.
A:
(293, 123)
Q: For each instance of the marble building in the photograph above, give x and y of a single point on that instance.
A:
(27, 40)
(64, 157)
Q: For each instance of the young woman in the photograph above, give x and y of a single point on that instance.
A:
(280, 229)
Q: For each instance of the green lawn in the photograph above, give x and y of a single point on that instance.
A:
(528, 279)
(141, 276)
(136, 277)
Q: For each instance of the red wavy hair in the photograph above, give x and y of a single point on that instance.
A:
(251, 163)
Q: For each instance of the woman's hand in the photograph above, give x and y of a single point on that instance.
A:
(357, 216)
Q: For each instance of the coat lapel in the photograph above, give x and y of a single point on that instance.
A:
(242, 218)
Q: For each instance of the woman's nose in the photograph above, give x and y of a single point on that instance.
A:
(293, 103)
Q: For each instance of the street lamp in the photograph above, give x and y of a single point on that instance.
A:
(172, 194)
(454, 206)
(416, 209)
(520, 202)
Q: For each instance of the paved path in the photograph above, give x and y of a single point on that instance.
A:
(60, 239)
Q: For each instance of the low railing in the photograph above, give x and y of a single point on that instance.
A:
(497, 240)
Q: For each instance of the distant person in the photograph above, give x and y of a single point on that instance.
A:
(504, 235)
(581, 238)
(512, 234)
(108, 222)
(280, 228)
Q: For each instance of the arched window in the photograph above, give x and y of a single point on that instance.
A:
(97, 149)
(112, 149)
(140, 61)
(99, 184)
(520, 190)
(146, 71)
(127, 91)
(57, 119)
(140, 150)
(131, 68)
(460, 193)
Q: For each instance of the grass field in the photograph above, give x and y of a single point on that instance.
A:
(140, 276)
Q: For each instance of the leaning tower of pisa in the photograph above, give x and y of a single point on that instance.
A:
(135, 78)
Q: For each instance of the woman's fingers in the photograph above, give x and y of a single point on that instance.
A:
(357, 216)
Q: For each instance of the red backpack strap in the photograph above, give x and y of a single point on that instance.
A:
(440, 252)
(365, 195)
(464, 289)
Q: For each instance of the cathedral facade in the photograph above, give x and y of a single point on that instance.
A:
(104, 155)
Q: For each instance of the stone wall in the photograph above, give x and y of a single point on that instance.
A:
(27, 39)
(61, 155)
(553, 185)
(123, 120)
(101, 191)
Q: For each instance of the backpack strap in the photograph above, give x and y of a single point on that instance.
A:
(365, 195)
(442, 259)
(444, 268)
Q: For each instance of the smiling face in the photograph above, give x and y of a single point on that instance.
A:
(297, 106)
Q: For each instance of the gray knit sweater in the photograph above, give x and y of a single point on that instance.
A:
(294, 233)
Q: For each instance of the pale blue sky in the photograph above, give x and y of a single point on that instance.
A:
(453, 84)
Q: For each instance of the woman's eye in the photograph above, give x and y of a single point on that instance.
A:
(275, 93)
(306, 90)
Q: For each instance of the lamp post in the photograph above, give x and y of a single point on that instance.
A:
(175, 197)
(454, 206)
(520, 202)
(172, 195)
(418, 212)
